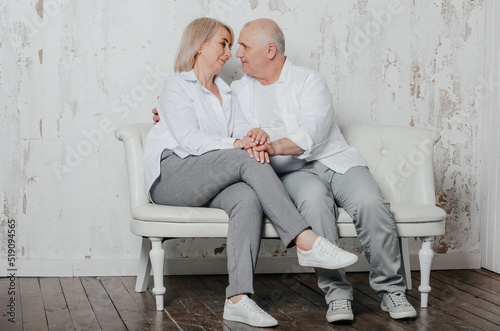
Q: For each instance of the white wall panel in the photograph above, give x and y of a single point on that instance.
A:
(86, 67)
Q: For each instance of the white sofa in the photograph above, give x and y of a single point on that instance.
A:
(400, 159)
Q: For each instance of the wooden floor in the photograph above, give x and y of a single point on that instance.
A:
(460, 299)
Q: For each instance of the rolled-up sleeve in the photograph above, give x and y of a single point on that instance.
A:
(176, 110)
(315, 115)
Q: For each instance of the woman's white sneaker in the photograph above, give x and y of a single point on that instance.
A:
(248, 312)
(325, 255)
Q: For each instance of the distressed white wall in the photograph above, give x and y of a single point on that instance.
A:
(72, 71)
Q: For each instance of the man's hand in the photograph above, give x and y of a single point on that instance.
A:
(256, 137)
(156, 117)
(269, 149)
(283, 146)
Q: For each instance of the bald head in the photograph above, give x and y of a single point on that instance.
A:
(268, 32)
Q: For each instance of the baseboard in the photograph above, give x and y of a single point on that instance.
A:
(199, 266)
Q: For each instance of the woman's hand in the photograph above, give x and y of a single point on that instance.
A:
(260, 156)
(259, 136)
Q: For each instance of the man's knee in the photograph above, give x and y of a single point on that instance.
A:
(317, 201)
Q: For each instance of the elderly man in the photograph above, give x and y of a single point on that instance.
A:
(318, 168)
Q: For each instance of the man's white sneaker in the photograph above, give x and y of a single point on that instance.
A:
(246, 311)
(397, 305)
(325, 255)
(339, 310)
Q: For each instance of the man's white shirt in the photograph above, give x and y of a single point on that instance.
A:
(306, 106)
(270, 117)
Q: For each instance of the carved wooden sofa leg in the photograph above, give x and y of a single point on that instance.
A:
(157, 256)
(425, 256)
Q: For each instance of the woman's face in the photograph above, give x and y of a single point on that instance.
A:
(216, 51)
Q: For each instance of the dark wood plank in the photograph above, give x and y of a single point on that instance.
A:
(450, 314)
(56, 309)
(482, 303)
(302, 311)
(464, 299)
(470, 277)
(130, 313)
(104, 310)
(78, 304)
(263, 299)
(365, 318)
(159, 320)
(487, 273)
(199, 310)
(175, 308)
(362, 293)
(10, 303)
(34, 317)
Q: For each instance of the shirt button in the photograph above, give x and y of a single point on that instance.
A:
(384, 151)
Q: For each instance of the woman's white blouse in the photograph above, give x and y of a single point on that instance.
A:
(192, 122)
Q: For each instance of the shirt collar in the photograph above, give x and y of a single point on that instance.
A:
(285, 71)
(221, 84)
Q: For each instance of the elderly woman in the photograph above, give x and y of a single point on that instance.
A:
(193, 158)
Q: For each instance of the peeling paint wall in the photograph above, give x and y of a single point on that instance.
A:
(72, 72)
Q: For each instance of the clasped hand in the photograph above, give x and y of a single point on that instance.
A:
(258, 145)
(257, 142)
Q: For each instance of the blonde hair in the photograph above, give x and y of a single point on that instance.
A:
(195, 35)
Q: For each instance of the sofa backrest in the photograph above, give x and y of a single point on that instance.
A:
(400, 159)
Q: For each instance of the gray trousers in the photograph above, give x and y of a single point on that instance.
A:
(317, 190)
(244, 188)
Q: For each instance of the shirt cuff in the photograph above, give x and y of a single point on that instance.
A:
(227, 143)
(300, 137)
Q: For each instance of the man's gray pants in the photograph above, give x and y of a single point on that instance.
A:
(244, 188)
(317, 190)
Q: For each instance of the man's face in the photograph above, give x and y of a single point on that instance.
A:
(251, 51)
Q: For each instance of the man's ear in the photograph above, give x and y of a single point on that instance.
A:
(271, 51)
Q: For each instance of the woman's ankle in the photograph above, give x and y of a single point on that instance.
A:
(236, 298)
(306, 239)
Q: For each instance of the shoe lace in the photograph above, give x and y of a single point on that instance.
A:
(328, 247)
(340, 304)
(252, 306)
(398, 298)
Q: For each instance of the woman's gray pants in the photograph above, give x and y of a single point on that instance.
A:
(244, 188)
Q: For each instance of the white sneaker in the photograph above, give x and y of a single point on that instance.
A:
(397, 305)
(339, 310)
(325, 255)
(246, 311)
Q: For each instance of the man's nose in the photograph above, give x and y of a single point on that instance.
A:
(239, 52)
